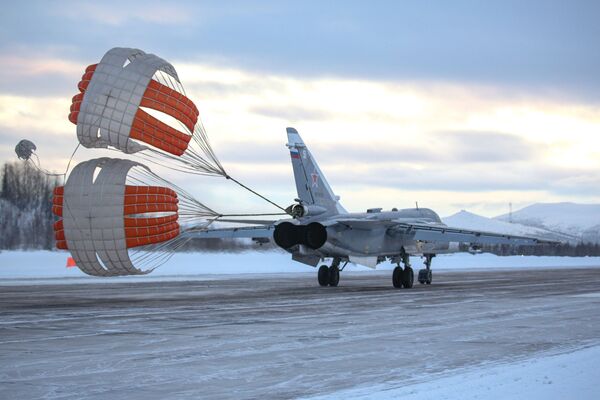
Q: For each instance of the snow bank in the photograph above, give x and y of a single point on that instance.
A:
(572, 375)
(52, 264)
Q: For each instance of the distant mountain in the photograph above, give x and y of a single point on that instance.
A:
(581, 220)
(468, 220)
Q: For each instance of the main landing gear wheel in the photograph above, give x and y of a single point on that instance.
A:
(397, 277)
(323, 275)
(408, 277)
(403, 278)
(334, 275)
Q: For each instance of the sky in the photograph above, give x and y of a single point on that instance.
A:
(454, 105)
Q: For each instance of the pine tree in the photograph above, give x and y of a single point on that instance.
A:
(26, 207)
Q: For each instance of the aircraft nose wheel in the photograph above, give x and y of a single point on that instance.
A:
(425, 276)
(334, 275)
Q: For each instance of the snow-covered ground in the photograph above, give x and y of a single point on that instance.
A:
(558, 376)
(51, 265)
(512, 332)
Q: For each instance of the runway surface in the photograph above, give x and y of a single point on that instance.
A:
(283, 336)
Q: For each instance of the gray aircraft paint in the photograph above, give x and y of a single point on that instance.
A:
(311, 185)
(365, 238)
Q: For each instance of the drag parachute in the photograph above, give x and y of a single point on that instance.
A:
(130, 101)
(115, 107)
(25, 149)
(109, 209)
(116, 216)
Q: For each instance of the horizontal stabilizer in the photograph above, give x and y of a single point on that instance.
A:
(230, 233)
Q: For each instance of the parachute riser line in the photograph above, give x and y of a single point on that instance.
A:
(256, 193)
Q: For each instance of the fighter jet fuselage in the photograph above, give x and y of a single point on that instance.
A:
(320, 228)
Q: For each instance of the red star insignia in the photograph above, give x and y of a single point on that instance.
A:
(315, 179)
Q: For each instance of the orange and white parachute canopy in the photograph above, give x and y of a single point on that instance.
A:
(113, 110)
(118, 218)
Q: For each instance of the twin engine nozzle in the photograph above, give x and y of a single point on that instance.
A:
(313, 235)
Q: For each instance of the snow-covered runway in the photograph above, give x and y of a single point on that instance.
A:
(282, 336)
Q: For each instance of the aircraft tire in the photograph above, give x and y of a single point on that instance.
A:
(408, 277)
(334, 276)
(429, 277)
(422, 276)
(323, 275)
(397, 277)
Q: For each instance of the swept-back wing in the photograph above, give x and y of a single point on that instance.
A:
(254, 232)
(436, 233)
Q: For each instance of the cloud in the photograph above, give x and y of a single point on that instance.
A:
(485, 147)
(442, 148)
(291, 113)
(120, 12)
(516, 177)
(38, 115)
(35, 65)
(39, 75)
(377, 141)
(525, 47)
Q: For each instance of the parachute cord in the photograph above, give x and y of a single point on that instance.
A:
(71, 159)
(39, 167)
(256, 193)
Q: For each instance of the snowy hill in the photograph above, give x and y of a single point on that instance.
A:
(468, 220)
(581, 220)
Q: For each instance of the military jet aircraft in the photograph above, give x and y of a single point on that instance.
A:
(320, 228)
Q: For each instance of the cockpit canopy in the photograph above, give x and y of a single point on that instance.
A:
(424, 213)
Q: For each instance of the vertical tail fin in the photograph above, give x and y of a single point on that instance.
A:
(311, 184)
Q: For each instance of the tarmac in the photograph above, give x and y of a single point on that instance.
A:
(281, 335)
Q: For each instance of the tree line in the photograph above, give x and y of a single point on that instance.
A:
(26, 207)
(580, 249)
